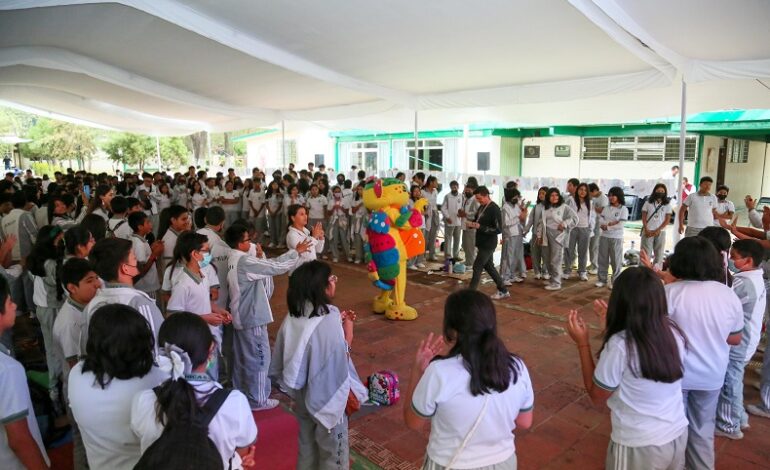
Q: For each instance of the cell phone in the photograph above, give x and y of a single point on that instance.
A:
(87, 190)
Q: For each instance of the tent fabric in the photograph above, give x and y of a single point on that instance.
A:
(171, 67)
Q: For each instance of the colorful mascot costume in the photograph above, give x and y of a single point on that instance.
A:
(394, 236)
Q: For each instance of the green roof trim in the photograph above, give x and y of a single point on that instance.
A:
(253, 134)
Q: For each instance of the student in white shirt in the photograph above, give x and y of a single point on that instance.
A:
(146, 255)
(514, 213)
(725, 210)
(213, 192)
(215, 223)
(187, 346)
(358, 221)
(175, 220)
(656, 212)
(21, 445)
(749, 286)
(450, 209)
(638, 374)
(475, 394)
(100, 202)
(230, 200)
(599, 201)
(611, 221)
(198, 197)
(430, 192)
(316, 206)
(274, 198)
(163, 197)
(292, 197)
(558, 218)
(118, 365)
(700, 209)
(711, 317)
(258, 209)
(117, 225)
(338, 225)
(299, 234)
(467, 213)
(191, 291)
(580, 235)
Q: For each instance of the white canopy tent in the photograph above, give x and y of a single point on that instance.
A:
(168, 67)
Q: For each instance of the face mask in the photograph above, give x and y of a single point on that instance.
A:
(205, 261)
(468, 195)
(337, 195)
(731, 266)
(721, 197)
(454, 192)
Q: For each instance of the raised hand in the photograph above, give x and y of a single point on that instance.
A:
(429, 348)
(318, 231)
(304, 245)
(600, 309)
(577, 328)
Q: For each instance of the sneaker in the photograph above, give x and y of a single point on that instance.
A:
(508, 283)
(566, 276)
(334, 260)
(593, 271)
(745, 426)
(459, 260)
(271, 245)
(758, 410)
(600, 284)
(583, 277)
(538, 276)
(412, 267)
(546, 276)
(358, 261)
(421, 265)
(553, 287)
(518, 279)
(736, 436)
(523, 275)
(269, 405)
(500, 295)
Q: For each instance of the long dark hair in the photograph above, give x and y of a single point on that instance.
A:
(45, 249)
(638, 306)
(665, 199)
(186, 243)
(542, 188)
(586, 201)
(696, 259)
(720, 238)
(547, 202)
(617, 191)
(118, 353)
(470, 322)
(164, 219)
(96, 200)
(177, 402)
(308, 284)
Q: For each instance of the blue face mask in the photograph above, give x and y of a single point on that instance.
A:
(205, 261)
(731, 266)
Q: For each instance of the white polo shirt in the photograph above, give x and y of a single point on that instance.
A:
(443, 395)
(723, 207)
(192, 294)
(657, 214)
(700, 210)
(67, 329)
(15, 404)
(749, 286)
(317, 207)
(257, 199)
(644, 412)
(613, 214)
(707, 312)
(149, 283)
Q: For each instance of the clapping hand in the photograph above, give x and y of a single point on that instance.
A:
(429, 348)
(600, 309)
(577, 328)
(304, 245)
(318, 231)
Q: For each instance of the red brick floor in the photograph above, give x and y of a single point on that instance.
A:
(568, 431)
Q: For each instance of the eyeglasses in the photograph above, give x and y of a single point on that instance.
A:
(332, 278)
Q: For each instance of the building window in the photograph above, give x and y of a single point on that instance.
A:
(737, 151)
(319, 159)
(431, 155)
(639, 148)
(364, 156)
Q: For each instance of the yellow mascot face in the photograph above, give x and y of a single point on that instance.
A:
(385, 192)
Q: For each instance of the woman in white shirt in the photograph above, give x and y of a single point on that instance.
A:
(611, 221)
(117, 366)
(558, 219)
(198, 197)
(230, 200)
(298, 233)
(430, 192)
(656, 214)
(163, 197)
(474, 395)
(274, 198)
(186, 347)
(639, 373)
(580, 235)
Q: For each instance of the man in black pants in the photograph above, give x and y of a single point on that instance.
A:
(488, 225)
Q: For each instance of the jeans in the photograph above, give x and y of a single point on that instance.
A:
(485, 262)
(578, 246)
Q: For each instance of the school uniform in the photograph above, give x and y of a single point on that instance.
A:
(431, 222)
(149, 283)
(749, 286)
(220, 251)
(338, 224)
(358, 222)
(470, 205)
(232, 211)
(700, 212)
(250, 281)
(230, 429)
(47, 304)
(256, 199)
(597, 203)
(722, 208)
(181, 195)
(557, 239)
(512, 260)
(443, 396)
(15, 404)
(212, 195)
(316, 211)
(119, 228)
(540, 253)
(649, 427)
(101, 212)
(611, 241)
(580, 236)
(104, 416)
(275, 218)
(198, 200)
(657, 216)
(288, 201)
(707, 312)
(452, 230)
(169, 243)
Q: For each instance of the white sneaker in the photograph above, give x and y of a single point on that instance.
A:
(546, 276)
(518, 279)
(421, 265)
(593, 271)
(508, 283)
(412, 267)
(583, 277)
(552, 287)
(600, 284)
(538, 276)
(500, 295)
(523, 275)
(334, 260)
(269, 405)
(271, 245)
(736, 436)
(758, 410)
(566, 276)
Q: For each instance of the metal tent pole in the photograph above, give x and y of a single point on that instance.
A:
(682, 147)
(283, 143)
(416, 147)
(157, 152)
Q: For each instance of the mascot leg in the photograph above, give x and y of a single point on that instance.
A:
(382, 302)
(399, 310)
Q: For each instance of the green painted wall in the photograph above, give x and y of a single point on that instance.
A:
(510, 156)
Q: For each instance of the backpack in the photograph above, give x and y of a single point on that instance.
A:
(111, 231)
(190, 440)
(383, 387)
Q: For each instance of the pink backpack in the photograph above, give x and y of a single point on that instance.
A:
(383, 387)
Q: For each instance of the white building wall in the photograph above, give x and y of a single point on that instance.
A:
(469, 165)
(746, 178)
(548, 164)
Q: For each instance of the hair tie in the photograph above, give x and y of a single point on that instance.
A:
(174, 361)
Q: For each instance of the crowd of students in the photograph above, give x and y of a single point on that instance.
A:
(151, 293)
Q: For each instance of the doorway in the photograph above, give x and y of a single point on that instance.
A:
(722, 163)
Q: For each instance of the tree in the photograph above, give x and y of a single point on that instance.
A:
(173, 152)
(131, 149)
(198, 145)
(60, 141)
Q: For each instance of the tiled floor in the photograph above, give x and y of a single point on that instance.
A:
(568, 431)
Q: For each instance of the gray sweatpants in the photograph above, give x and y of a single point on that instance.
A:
(692, 231)
(320, 448)
(731, 414)
(469, 246)
(764, 385)
(340, 235)
(593, 246)
(610, 254)
(578, 247)
(557, 254)
(512, 259)
(430, 238)
(540, 256)
(509, 464)
(452, 241)
(668, 456)
(251, 361)
(655, 246)
(700, 406)
(46, 316)
(275, 222)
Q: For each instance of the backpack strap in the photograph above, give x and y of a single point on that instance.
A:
(213, 404)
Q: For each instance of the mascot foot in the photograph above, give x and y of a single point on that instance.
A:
(381, 304)
(403, 312)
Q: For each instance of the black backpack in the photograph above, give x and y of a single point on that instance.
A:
(190, 441)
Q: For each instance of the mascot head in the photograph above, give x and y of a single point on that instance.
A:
(379, 193)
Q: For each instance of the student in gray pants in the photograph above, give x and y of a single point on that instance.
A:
(611, 222)
(540, 253)
(598, 201)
